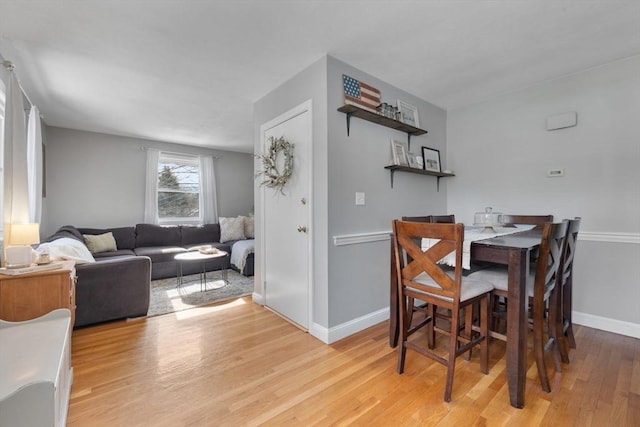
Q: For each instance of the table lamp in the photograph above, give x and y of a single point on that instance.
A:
(18, 239)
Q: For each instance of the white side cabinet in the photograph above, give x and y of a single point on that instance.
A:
(35, 370)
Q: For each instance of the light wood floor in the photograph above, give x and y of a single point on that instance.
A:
(238, 364)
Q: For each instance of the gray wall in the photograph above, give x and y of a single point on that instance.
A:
(95, 179)
(500, 151)
(359, 274)
(353, 281)
(307, 84)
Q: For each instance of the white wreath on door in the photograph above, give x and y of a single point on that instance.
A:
(275, 178)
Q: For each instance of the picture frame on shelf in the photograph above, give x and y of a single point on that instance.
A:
(408, 114)
(431, 159)
(412, 159)
(399, 150)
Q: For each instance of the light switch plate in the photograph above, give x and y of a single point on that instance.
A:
(359, 198)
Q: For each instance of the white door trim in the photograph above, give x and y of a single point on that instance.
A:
(295, 111)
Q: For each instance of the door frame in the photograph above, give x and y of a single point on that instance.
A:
(306, 106)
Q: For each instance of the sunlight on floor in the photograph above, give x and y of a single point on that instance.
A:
(175, 295)
(199, 311)
(184, 290)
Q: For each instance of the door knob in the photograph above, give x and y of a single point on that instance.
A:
(303, 201)
(302, 229)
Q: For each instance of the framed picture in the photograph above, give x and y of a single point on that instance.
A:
(408, 114)
(413, 161)
(399, 151)
(431, 159)
(420, 162)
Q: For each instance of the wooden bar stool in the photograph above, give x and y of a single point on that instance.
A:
(565, 285)
(544, 296)
(419, 276)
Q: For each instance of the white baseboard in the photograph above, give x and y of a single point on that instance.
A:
(351, 327)
(336, 333)
(257, 298)
(605, 324)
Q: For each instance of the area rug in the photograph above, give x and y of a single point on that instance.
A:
(166, 298)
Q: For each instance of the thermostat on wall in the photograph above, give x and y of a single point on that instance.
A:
(555, 172)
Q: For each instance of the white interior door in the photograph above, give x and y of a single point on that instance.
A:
(287, 220)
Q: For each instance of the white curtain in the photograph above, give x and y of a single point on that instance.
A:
(4, 78)
(16, 187)
(34, 160)
(208, 190)
(151, 188)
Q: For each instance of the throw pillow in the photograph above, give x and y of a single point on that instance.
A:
(249, 227)
(231, 229)
(100, 243)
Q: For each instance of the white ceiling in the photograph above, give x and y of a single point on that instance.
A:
(189, 71)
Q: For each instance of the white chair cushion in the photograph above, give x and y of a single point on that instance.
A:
(469, 288)
(499, 277)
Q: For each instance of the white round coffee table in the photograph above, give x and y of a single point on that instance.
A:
(203, 258)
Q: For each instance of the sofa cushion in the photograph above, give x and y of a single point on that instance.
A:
(100, 242)
(157, 235)
(193, 235)
(118, 253)
(249, 226)
(231, 229)
(125, 236)
(159, 253)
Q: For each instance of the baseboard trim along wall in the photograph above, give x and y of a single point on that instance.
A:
(336, 333)
(605, 324)
(331, 335)
(257, 298)
(351, 327)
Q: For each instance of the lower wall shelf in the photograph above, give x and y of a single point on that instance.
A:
(398, 168)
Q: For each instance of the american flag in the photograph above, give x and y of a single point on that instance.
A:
(360, 94)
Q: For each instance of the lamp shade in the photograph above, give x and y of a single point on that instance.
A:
(23, 234)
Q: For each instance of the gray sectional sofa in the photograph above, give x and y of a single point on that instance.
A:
(117, 285)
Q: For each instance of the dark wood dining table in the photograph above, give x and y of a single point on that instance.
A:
(514, 251)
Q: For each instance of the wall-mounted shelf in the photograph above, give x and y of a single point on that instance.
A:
(352, 110)
(438, 175)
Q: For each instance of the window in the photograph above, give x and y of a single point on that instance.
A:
(179, 198)
(179, 189)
